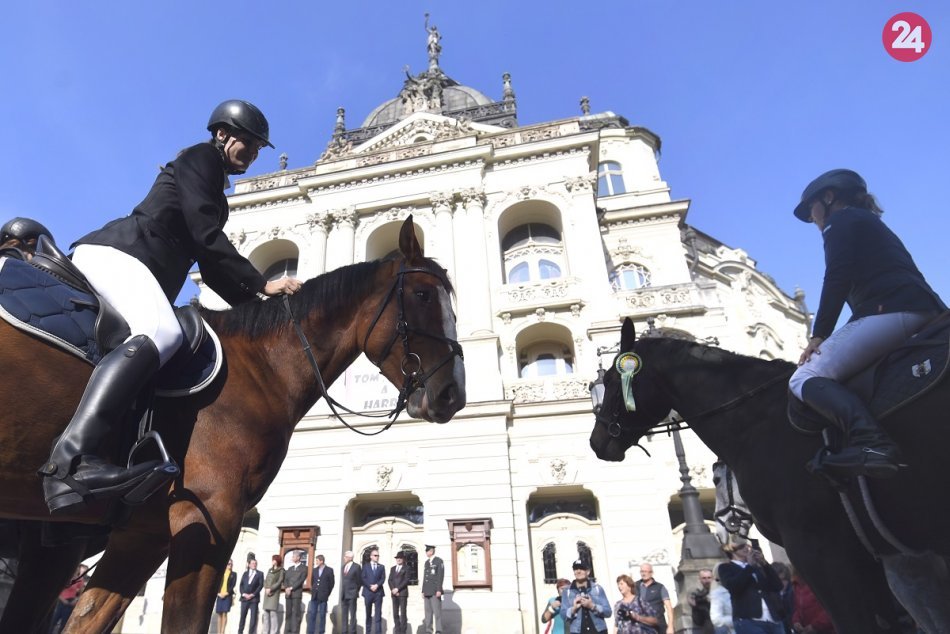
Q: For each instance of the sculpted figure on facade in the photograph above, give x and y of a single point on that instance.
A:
(433, 47)
(383, 476)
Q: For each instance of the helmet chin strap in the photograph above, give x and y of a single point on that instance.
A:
(221, 145)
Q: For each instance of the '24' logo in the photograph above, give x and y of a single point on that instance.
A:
(907, 37)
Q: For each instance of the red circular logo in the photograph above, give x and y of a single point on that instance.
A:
(907, 37)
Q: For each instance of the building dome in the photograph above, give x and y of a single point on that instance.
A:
(454, 97)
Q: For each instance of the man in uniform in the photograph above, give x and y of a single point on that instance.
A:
(432, 592)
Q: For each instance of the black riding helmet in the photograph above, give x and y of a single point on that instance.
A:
(241, 115)
(842, 179)
(23, 229)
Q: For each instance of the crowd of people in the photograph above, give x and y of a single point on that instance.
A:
(752, 596)
(260, 593)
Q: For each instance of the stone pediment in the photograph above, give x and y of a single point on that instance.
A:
(422, 127)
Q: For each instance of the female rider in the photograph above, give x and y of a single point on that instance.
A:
(138, 264)
(866, 265)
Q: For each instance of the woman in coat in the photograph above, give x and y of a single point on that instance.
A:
(271, 603)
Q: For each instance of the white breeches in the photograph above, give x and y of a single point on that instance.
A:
(856, 345)
(131, 289)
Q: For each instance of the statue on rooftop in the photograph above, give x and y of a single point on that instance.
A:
(433, 46)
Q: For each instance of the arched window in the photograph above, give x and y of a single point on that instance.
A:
(532, 252)
(630, 277)
(364, 558)
(609, 179)
(584, 554)
(549, 558)
(412, 562)
(546, 359)
(281, 268)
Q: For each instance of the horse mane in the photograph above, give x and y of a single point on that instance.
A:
(329, 293)
(709, 354)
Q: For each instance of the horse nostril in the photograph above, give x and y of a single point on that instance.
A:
(449, 394)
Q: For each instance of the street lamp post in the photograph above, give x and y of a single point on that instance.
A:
(701, 548)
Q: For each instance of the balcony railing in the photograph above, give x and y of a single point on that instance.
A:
(521, 298)
(549, 389)
(672, 299)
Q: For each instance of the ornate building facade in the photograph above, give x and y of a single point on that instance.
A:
(552, 233)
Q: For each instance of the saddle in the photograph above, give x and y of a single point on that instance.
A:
(51, 299)
(896, 379)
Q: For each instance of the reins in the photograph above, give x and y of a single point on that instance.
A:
(414, 376)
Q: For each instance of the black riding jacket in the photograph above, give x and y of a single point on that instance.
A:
(868, 266)
(181, 222)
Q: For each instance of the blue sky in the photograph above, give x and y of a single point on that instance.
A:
(751, 99)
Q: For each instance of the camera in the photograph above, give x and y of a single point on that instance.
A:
(623, 613)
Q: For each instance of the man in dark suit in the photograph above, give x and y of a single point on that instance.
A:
(321, 585)
(252, 582)
(350, 590)
(399, 590)
(374, 574)
(432, 580)
(754, 587)
(294, 578)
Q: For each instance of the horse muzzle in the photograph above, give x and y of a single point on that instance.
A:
(438, 408)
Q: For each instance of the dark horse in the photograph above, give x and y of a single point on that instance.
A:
(737, 406)
(229, 439)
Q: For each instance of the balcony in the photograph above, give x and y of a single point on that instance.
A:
(674, 299)
(518, 299)
(543, 390)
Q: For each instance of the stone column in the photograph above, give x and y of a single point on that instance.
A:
(314, 262)
(340, 245)
(481, 344)
(478, 319)
(445, 236)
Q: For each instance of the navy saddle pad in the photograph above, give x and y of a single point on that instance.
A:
(36, 302)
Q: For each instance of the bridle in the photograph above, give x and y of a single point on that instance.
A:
(733, 518)
(411, 366)
(615, 429)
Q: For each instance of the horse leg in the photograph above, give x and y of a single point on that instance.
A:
(203, 538)
(922, 584)
(129, 560)
(42, 573)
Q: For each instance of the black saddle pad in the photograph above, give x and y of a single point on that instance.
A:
(38, 303)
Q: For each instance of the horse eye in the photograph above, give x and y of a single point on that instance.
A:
(423, 296)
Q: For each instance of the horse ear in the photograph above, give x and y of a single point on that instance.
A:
(408, 244)
(628, 335)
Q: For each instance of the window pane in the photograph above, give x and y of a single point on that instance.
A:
(616, 184)
(546, 365)
(602, 188)
(548, 269)
(519, 274)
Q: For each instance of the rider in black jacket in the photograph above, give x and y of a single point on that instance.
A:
(867, 266)
(138, 264)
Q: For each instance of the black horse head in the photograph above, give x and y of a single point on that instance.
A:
(634, 399)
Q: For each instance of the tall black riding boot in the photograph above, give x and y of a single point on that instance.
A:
(76, 473)
(868, 449)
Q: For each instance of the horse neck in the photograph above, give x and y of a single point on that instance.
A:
(700, 380)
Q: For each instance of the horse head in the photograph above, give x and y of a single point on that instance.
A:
(411, 337)
(633, 399)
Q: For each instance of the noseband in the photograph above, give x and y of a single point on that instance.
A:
(412, 370)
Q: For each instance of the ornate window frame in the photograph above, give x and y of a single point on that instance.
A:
(471, 552)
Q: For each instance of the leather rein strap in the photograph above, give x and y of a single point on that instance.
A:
(411, 368)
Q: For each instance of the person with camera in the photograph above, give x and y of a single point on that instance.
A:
(552, 611)
(584, 604)
(634, 616)
(754, 588)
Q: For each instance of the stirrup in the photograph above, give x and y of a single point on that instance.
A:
(160, 475)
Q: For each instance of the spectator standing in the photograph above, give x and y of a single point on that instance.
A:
(699, 602)
(584, 604)
(294, 578)
(653, 592)
(754, 588)
(808, 616)
(271, 603)
(552, 611)
(720, 609)
(374, 574)
(225, 598)
(67, 599)
(633, 615)
(399, 592)
(251, 583)
(350, 585)
(321, 585)
(786, 595)
(433, 576)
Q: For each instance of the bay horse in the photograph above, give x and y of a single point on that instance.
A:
(229, 439)
(737, 406)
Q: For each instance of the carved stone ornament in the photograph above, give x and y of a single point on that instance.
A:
(441, 201)
(275, 232)
(580, 184)
(346, 217)
(238, 238)
(559, 470)
(472, 197)
(575, 310)
(337, 148)
(658, 557)
(383, 476)
(318, 221)
(506, 319)
(540, 314)
(624, 251)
